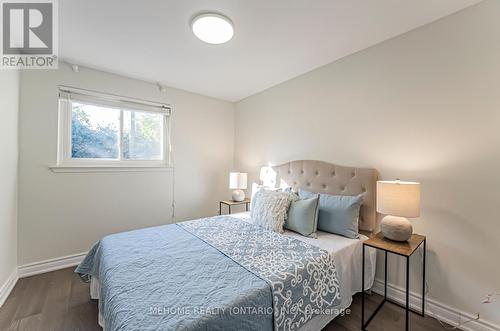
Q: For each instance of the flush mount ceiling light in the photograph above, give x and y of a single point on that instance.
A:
(212, 28)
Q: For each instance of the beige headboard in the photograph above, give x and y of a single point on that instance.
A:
(323, 177)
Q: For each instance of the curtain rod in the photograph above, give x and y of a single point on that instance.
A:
(115, 97)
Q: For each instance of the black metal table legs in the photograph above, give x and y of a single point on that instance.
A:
(407, 308)
(363, 291)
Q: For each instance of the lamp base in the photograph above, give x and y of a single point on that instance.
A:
(396, 228)
(238, 195)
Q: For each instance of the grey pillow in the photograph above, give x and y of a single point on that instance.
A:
(303, 216)
(338, 214)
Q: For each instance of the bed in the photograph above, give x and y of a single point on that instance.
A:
(225, 272)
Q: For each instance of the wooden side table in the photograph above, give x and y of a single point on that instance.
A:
(230, 203)
(405, 249)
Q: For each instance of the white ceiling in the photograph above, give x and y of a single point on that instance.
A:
(274, 40)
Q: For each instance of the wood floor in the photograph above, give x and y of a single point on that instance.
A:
(59, 300)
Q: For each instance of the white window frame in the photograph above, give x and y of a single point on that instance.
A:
(65, 161)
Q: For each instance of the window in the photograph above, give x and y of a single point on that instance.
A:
(98, 130)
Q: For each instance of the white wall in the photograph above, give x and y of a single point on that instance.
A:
(65, 213)
(9, 100)
(424, 106)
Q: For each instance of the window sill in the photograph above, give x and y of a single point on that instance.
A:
(111, 168)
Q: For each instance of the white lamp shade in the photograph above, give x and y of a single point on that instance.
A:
(238, 181)
(398, 198)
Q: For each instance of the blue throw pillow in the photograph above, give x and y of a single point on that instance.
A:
(338, 214)
(303, 216)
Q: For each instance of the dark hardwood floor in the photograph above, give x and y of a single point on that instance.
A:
(59, 300)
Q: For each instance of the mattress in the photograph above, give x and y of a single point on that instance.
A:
(346, 254)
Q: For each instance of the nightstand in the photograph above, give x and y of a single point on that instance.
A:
(230, 203)
(404, 249)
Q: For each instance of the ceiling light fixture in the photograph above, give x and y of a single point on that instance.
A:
(212, 28)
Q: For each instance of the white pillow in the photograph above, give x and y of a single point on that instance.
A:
(256, 188)
(270, 209)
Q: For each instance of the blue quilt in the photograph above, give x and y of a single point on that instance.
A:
(217, 273)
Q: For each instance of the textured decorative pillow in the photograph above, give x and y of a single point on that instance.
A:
(303, 216)
(338, 214)
(256, 188)
(270, 209)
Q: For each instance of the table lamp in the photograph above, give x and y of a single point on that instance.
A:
(399, 201)
(238, 182)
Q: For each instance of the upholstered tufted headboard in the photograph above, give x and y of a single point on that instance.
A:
(323, 177)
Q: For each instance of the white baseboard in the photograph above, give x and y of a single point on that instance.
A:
(50, 265)
(433, 308)
(7, 287)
